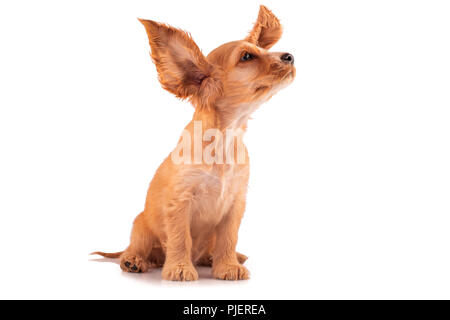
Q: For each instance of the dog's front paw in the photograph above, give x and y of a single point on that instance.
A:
(231, 272)
(132, 263)
(179, 272)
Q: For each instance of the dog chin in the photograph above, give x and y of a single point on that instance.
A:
(284, 81)
(289, 77)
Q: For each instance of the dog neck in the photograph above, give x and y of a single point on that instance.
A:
(225, 117)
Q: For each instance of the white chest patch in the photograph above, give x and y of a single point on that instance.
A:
(213, 191)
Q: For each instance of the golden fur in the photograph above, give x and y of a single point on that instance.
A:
(193, 210)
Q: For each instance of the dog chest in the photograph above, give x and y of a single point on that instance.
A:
(214, 190)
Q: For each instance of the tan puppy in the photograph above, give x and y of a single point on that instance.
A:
(197, 197)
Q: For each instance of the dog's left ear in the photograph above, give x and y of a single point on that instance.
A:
(266, 31)
(182, 68)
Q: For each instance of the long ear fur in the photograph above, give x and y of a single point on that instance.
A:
(182, 68)
(267, 29)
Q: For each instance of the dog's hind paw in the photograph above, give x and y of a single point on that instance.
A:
(132, 263)
(241, 257)
(207, 260)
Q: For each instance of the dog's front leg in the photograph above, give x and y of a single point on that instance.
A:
(225, 262)
(178, 265)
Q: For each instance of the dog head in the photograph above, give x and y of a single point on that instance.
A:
(236, 76)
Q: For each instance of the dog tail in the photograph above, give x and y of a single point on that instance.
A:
(108, 255)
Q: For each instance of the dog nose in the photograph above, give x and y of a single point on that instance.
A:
(287, 58)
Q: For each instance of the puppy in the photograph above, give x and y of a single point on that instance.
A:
(196, 199)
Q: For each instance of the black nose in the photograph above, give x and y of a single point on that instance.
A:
(287, 58)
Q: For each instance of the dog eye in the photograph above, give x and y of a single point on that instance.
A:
(247, 56)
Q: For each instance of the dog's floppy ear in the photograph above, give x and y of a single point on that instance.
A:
(267, 29)
(182, 68)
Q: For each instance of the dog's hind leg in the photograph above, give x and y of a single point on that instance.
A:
(157, 257)
(206, 259)
(136, 257)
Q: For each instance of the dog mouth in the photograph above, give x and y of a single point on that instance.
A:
(289, 75)
(282, 78)
(261, 89)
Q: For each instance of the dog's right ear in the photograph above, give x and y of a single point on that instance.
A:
(182, 68)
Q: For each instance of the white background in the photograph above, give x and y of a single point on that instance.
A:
(350, 179)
